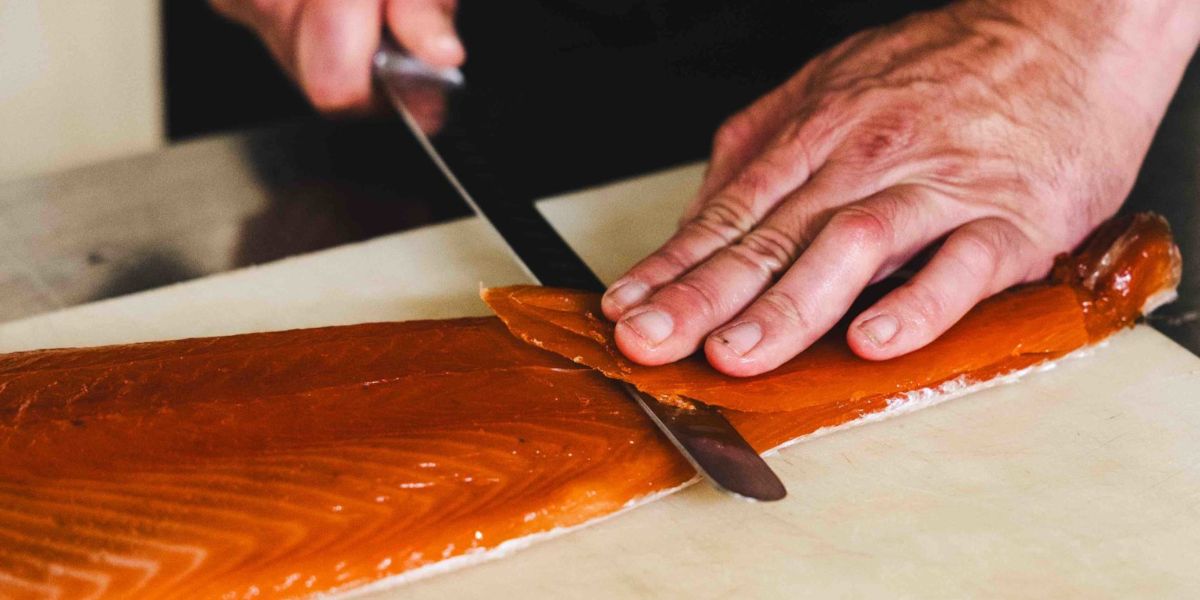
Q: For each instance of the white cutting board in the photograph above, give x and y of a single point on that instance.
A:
(1080, 481)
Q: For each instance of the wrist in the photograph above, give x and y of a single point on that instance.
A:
(1167, 28)
(1132, 48)
(1087, 24)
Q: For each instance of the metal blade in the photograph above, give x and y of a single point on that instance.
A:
(718, 452)
(449, 132)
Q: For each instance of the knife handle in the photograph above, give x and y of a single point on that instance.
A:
(391, 59)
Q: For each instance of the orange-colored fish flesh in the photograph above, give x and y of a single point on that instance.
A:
(282, 464)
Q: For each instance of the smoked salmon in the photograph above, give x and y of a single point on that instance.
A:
(288, 463)
(1102, 288)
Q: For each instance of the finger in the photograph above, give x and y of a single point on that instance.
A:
(426, 28)
(743, 136)
(856, 244)
(809, 206)
(978, 260)
(673, 321)
(334, 43)
(722, 223)
(723, 285)
(795, 151)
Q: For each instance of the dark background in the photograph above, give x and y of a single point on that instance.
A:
(218, 76)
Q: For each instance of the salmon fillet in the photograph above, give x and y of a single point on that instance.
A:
(288, 463)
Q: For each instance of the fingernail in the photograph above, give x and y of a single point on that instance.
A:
(741, 338)
(653, 325)
(628, 294)
(880, 329)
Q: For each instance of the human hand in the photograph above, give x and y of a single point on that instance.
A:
(1007, 129)
(326, 45)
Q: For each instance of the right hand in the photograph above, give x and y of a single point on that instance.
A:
(326, 45)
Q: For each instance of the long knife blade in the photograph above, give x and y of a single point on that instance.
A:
(701, 433)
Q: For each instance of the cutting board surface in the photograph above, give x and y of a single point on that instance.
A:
(1082, 480)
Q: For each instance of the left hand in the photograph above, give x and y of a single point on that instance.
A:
(1008, 129)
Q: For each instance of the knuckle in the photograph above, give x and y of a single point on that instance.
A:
(766, 249)
(819, 117)
(794, 134)
(976, 253)
(882, 137)
(724, 218)
(923, 304)
(796, 142)
(734, 132)
(1012, 255)
(692, 297)
(787, 307)
(796, 139)
(885, 121)
(753, 182)
(670, 259)
(862, 227)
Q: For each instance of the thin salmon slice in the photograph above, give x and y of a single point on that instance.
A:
(288, 463)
